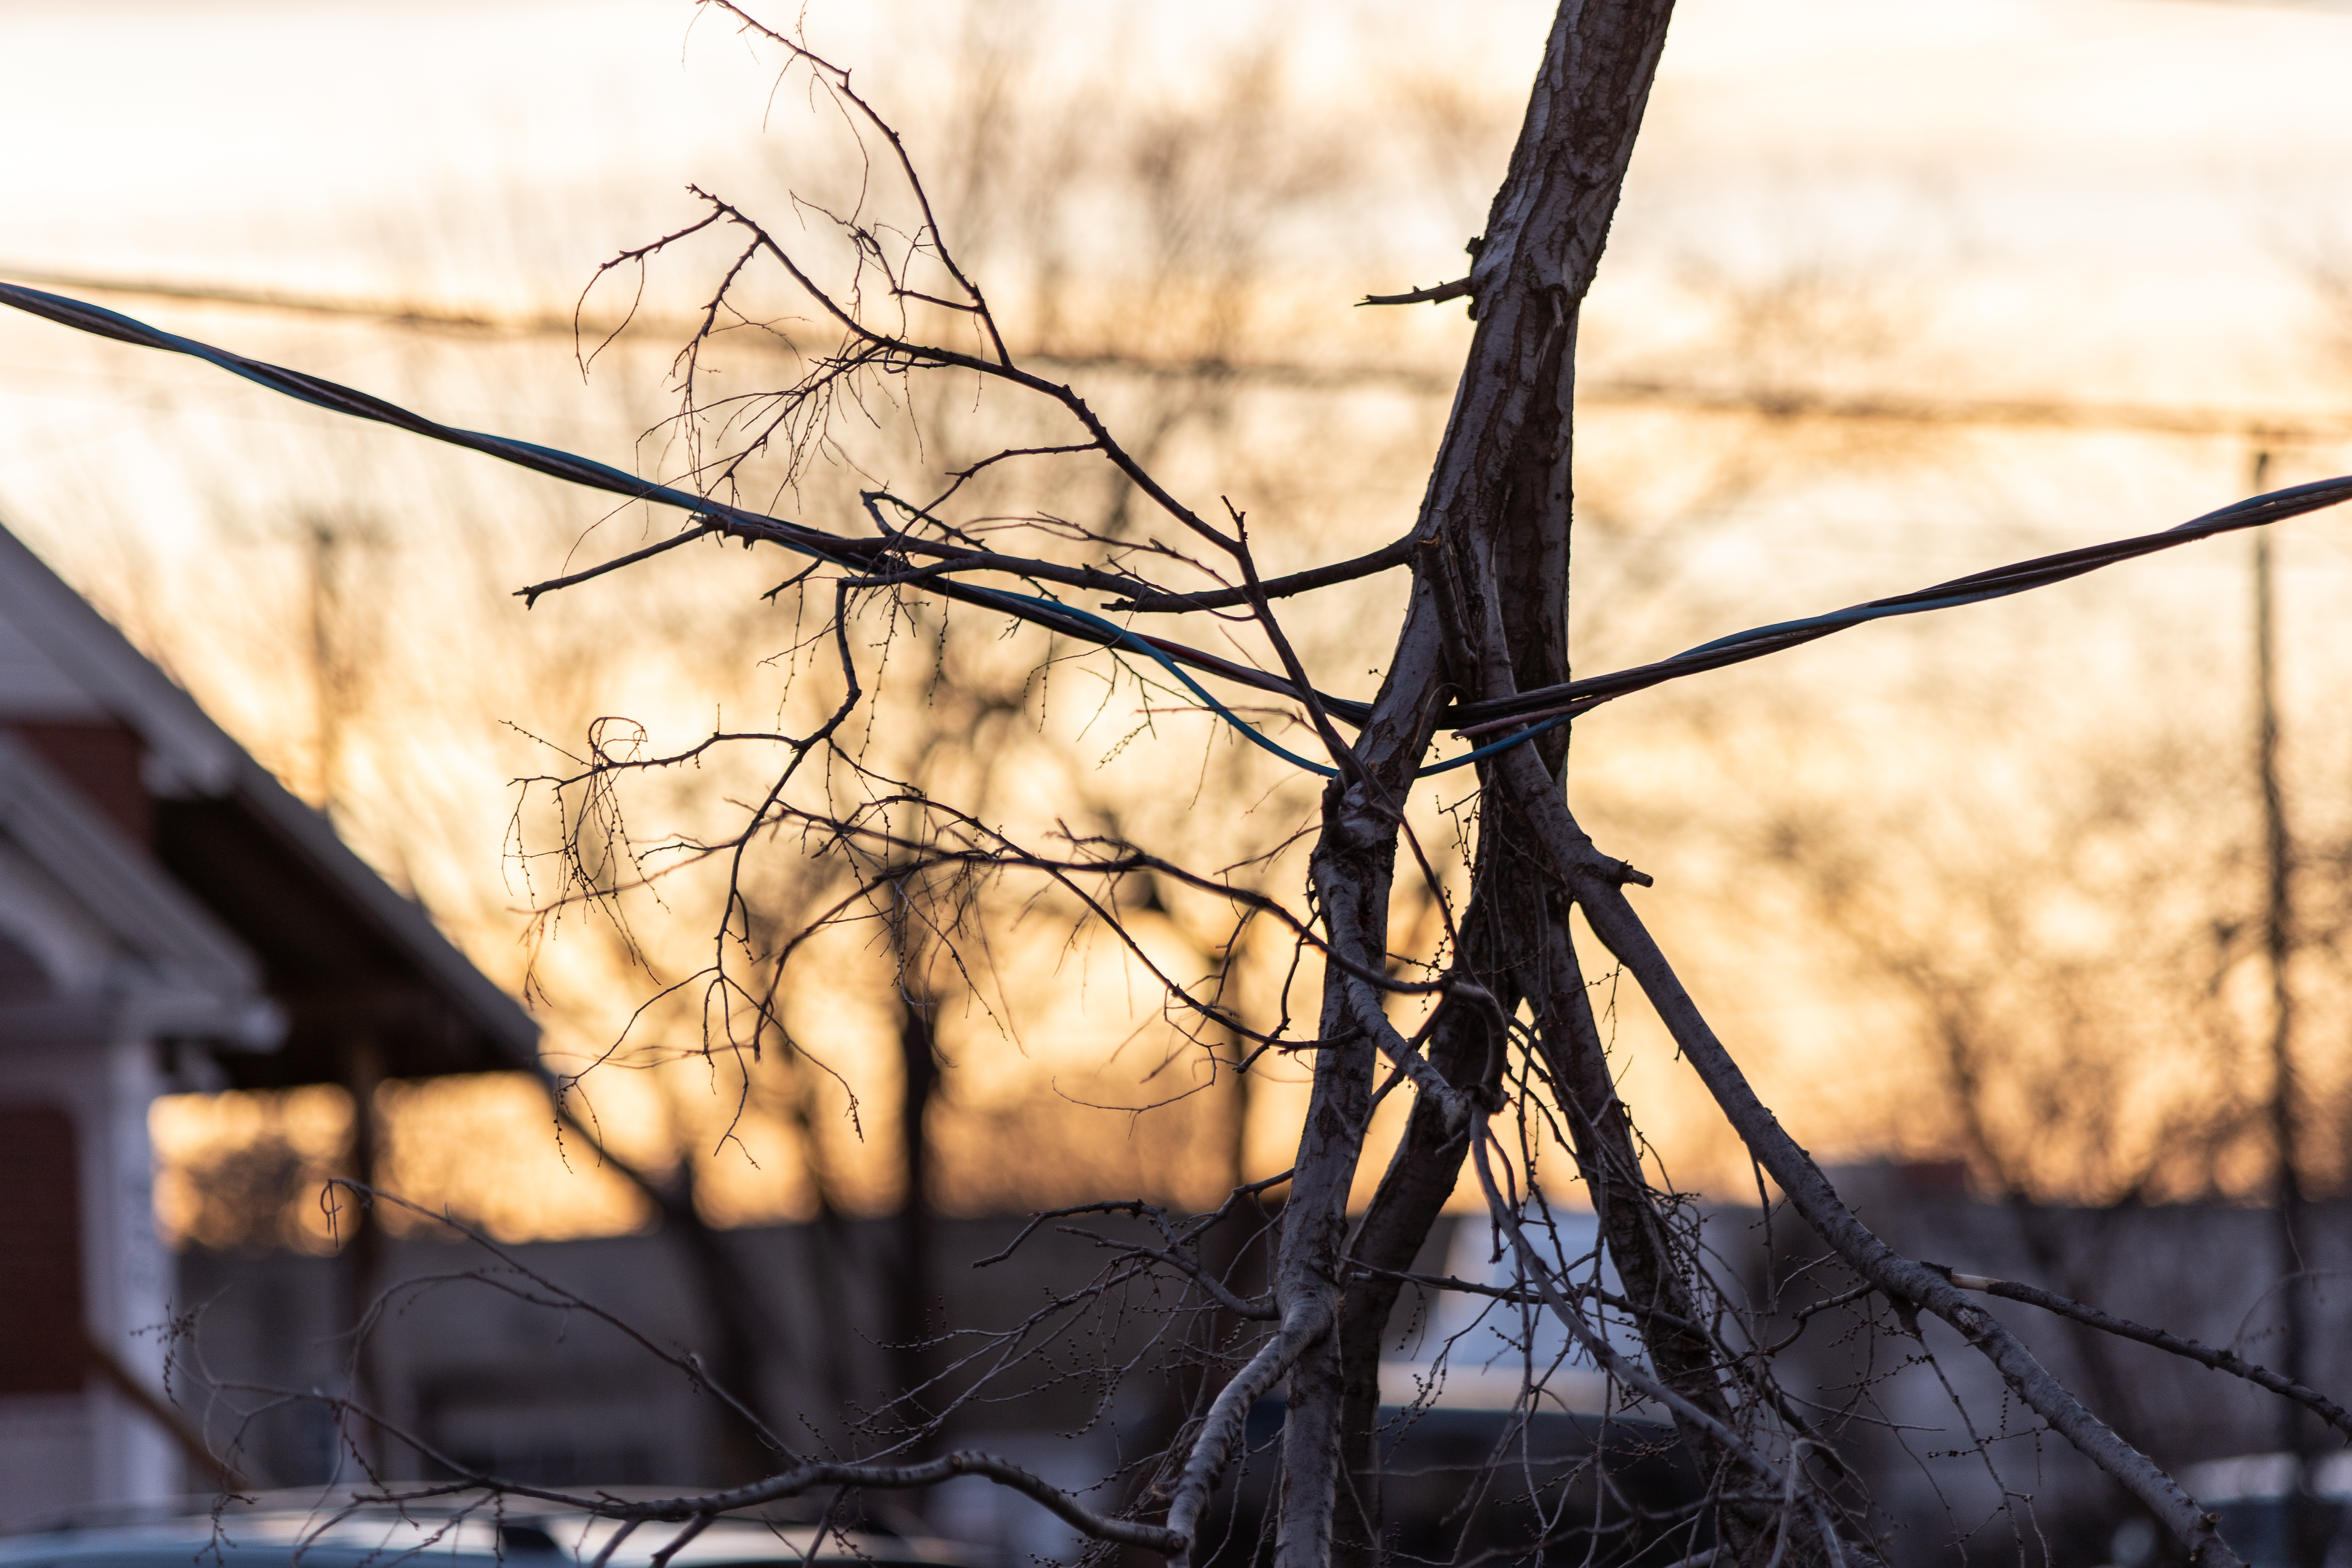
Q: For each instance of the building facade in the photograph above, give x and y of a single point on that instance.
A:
(171, 918)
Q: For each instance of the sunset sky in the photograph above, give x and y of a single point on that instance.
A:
(2115, 201)
(2114, 161)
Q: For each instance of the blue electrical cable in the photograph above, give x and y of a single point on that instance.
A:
(1120, 637)
(322, 393)
(1544, 709)
(1837, 621)
(340, 399)
(1979, 587)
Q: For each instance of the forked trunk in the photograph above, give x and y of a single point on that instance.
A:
(1497, 507)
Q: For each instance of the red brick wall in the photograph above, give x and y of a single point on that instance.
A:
(41, 1253)
(102, 762)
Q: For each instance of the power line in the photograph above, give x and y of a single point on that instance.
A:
(396, 312)
(1790, 402)
(1538, 711)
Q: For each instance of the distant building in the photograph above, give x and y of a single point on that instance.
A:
(170, 918)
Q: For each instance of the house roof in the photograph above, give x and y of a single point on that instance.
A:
(86, 919)
(348, 959)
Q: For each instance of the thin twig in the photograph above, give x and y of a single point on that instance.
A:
(1435, 293)
(2318, 1403)
(1262, 1308)
(1382, 560)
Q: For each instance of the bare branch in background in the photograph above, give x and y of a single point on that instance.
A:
(957, 791)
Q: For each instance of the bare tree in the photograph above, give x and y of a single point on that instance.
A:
(1487, 623)
(1480, 1015)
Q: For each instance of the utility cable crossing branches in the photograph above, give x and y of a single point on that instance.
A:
(1511, 1025)
(887, 561)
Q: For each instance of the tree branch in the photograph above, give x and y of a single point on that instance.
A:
(1262, 1308)
(1571, 857)
(2319, 1404)
(1610, 1360)
(808, 1477)
(703, 528)
(1159, 600)
(1220, 1430)
(1435, 294)
(1519, 1297)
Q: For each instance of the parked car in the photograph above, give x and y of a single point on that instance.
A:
(1553, 1486)
(2274, 1511)
(332, 1531)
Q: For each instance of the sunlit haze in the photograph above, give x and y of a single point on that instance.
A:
(2094, 255)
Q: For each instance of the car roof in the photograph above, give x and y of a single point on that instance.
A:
(346, 1537)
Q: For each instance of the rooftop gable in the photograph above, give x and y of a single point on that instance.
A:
(340, 948)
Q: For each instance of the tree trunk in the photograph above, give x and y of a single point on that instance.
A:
(911, 1286)
(1421, 1176)
(1497, 503)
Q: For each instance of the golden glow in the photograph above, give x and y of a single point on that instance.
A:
(2110, 202)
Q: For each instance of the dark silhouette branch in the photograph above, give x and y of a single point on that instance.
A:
(2319, 1404)
(1435, 294)
(1163, 600)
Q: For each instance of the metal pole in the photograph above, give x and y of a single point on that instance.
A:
(2278, 942)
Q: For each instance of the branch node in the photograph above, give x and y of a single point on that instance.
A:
(1620, 872)
(1436, 293)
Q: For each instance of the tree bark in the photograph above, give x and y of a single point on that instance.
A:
(1570, 856)
(910, 1287)
(1421, 1176)
(1498, 492)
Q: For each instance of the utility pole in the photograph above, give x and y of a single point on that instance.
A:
(2278, 942)
(910, 1281)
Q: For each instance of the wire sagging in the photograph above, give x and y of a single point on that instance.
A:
(1538, 711)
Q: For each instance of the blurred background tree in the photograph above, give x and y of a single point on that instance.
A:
(1808, 371)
